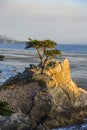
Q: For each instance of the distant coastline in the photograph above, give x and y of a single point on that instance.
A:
(5, 39)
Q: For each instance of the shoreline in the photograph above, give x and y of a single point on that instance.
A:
(81, 83)
(24, 61)
(69, 93)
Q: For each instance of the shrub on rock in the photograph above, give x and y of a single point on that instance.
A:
(4, 109)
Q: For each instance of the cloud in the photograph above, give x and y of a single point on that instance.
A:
(61, 22)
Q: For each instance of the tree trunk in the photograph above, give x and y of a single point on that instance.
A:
(39, 55)
(44, 64)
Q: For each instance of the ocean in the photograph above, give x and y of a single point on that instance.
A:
(17, 58)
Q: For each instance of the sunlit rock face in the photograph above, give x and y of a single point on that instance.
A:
(60, 74)
(57, 102)
(70, 101)
(60, 77)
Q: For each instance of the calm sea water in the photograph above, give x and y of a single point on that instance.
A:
(17, 58)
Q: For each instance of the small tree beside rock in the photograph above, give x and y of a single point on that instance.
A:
(46, 50)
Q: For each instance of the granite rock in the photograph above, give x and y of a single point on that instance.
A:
(49, 100)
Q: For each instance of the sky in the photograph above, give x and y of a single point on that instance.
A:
(64, 21)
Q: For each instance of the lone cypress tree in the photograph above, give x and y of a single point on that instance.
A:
(46, 49)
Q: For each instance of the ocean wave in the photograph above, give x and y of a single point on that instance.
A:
(75, 127)
(10, 51)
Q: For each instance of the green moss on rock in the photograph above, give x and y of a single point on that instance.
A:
(4, 109)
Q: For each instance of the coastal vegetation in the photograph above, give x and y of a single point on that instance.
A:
(4, 109)
(46, 50)
(43, 96)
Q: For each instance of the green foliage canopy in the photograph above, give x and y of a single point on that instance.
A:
(37, 44)
(46, 49)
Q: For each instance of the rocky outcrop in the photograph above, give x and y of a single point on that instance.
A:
(48, 100)
(15, 122)
(1, 57)
(60, 74)
(29, 99)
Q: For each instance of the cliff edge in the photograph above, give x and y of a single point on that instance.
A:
(43, 101)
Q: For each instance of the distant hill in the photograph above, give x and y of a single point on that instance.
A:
(5, 39)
